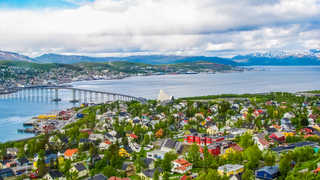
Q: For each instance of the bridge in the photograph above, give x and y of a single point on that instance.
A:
(78, 95)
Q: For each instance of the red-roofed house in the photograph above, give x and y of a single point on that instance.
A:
(261, 142)
(181, 166)
(70, 153)
(185, 177)
(277, 136)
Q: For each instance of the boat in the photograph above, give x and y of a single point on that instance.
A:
(191, 72)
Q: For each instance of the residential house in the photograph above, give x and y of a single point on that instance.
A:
(156, 154)
(213, 149)
(237, 131)
(134, 146)
(118, 178)
(230, 169)
(148, 174)
(213, 129)
(149, 163)
(80, 169)
(47, 159)
(280, 149)
(6, 172)
(171, 145)
(128, 168)
(98, 177)
(96, 137)
(71, 153)
(278, 136)
(286, 124)
(267, 172)
(12, 151)
(261, 142)
(289, 115)
(54, 175)
(104, 145)
(111, 137)
(181, 166)
(233, 148)
(201, 139)
(235, 177)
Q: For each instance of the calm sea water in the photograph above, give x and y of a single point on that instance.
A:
(14, 111)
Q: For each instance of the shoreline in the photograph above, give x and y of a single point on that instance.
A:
(74, 118)
(16, 89)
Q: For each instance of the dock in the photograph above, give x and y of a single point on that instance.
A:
(29, 123)
(28, 130)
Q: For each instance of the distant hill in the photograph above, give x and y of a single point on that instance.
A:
(310, 57)
(279, 59)
(152, 59)
(6, 55)
(68, 59)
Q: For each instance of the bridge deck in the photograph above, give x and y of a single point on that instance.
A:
(68, 87)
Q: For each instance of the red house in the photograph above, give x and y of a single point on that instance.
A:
(212, 149)
(202, 139)
(277, 136)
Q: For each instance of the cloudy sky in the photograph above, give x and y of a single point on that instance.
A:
(179, 27)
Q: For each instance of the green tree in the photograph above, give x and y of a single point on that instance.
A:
(246, 140)
(109, 171)
(248, 175)
(166, 162)
(156, 174)
(284, 164)
(269, 158)
(253, 155)
(42, 169)
(193, 155)
(146, 139)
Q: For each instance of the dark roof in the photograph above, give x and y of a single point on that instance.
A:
(84, 140)
(272, 170)
(98, 177)
(150, 172)
(292, 146)
(23, 160)
(128, 149)
(169, 143)
(6, 172)
(147, 161)
(192, 130)
(125, 165)
(80, 167)
(55, 174)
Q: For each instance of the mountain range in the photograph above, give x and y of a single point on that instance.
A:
(281, 58)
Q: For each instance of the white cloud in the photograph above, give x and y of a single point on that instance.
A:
(185, 27)
(219, 47)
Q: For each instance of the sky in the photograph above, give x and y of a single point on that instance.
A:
(169, 27)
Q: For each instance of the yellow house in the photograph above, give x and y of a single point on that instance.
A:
(212, 130)
(286, 134)
(232, 150)
(230, 169)
(123, 153)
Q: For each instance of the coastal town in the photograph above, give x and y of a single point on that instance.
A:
(25, 74)
(251, 136)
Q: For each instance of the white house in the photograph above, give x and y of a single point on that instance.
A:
(80, 169)
(181, 166)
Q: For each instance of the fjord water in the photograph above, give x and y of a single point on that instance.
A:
(13, 112)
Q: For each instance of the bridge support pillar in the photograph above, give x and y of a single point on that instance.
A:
(90, 97)
(56, 99)
(74, 100)
(102, 98)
